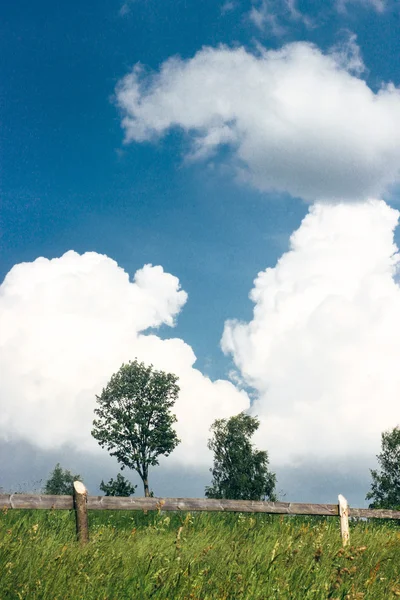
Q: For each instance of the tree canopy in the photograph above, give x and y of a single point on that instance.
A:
(60, 482)
(118, 487)
(385, 486)
(240, 472)
(134, 419)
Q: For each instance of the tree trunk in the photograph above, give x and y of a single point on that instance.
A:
(145, 480)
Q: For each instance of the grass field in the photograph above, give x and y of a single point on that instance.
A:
(195, 556)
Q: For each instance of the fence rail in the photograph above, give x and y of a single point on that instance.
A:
(80, 498)
(34, 501)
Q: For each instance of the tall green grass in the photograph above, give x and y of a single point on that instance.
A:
(204, 556)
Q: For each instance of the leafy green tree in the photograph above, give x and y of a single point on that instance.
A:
(118, 487)
(134, 417)
(385, 486)
(240, 472)
(60, 482)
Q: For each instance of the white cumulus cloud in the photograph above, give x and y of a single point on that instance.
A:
(296, 120)
(323, 348)
(67, 324)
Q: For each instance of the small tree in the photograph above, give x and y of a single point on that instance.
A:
(385, 486)
(240, 472)
(134, 417)
(118, 487)
(61, 482)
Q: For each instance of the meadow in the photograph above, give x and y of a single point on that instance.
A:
(199, 556)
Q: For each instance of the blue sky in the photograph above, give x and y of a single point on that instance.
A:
(68, 180)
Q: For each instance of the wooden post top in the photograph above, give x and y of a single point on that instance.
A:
(79, 487)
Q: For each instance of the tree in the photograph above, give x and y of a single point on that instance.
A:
(134, 417)
(61, 482)
(118, 487)
(385, 486)
(240, 472)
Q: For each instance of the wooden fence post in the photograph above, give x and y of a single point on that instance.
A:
(344, 519)
(80, 505)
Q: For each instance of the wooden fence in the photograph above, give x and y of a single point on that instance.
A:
(81, 502)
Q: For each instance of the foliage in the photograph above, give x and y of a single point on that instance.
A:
(240, 472)
(134, 417)
(385, 486)
(118, 487)
(61, 482)
(198, 556)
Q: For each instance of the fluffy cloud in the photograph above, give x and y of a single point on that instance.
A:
(126, 8)
(228, 7)
(323, 348)
(378, 5)
(271, 14)
(67, 324)
(296, 120)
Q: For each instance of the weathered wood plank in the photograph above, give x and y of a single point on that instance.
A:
(34, 501)
(211, 505)
(370, 513)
